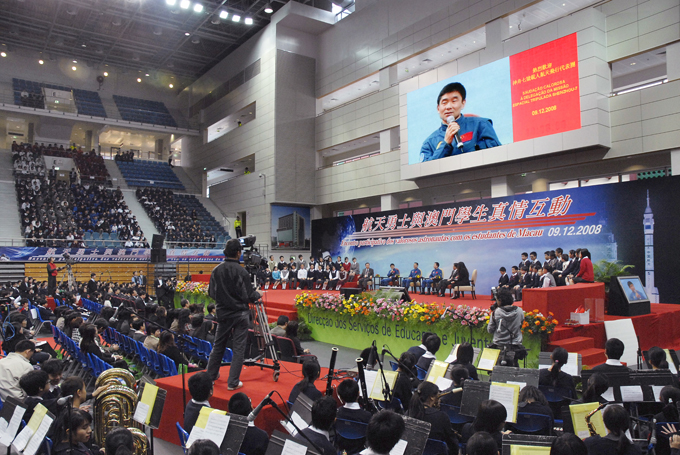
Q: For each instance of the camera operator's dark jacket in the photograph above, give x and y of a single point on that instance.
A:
(506, 325)
(231, 288)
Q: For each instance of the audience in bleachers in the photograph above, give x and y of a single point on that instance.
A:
(91, 166)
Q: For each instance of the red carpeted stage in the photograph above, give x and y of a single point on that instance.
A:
(257, 384)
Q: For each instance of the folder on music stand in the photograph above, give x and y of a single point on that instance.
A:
(523, 444)
(284, 444)
(10, 420)
(488, 359)
(150, 405)
(437, 374)
(578, 417)
(211, 424)
(29, 439)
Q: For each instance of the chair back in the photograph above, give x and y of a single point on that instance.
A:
(422, 374)
(183, 436)
(435, 447)
(454, 414)
(473, 277)
(350, 429)
(532, 423)
(287, 349)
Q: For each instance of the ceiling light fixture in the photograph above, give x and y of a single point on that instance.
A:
(139, 79)
(3, 54)
(74, 68)
(147, 74)
(249, 21)
(171, 86)
(236, 18)
(198, 8)
(268, 8)
(224, 14)
(185, 4)
(171, 2)
(75, 61)
(41, 61)
(106, 73)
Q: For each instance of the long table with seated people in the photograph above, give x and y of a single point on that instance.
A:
(562, 300)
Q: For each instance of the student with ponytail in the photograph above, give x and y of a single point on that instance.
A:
(424, 406)
(657, 358)
(459, 375)
(553, 376)
(310, 372)
(617, 422)
(78, 429)
(119, 441)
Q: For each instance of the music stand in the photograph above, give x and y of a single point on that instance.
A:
(474, 392)
(415, 434)
(511, 439)
(515, 375)
(236, 432)
(278, 440)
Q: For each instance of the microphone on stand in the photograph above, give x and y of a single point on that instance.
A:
(253, 414)
(450, 119)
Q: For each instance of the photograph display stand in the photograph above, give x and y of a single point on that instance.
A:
(514, 375)
(524, 444)
(573, 366)
(284, 444)
(10, 420)
(29, 439)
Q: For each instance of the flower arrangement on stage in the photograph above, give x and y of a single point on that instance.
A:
(537, 324)
(192, 287)
(382, 307)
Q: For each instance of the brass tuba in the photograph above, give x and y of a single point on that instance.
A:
(141, 442)
(115, 406)
(115, 376)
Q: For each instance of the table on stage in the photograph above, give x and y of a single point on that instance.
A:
(561, 300)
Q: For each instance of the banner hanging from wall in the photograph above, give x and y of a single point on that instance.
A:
(632, 222)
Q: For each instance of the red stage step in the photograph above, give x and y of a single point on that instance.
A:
(574, 344)
(592, 357)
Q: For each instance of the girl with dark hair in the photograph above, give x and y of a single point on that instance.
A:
(167, 347)
(310, 372)
(88, 345)
(463, 279)
(657, 358)
(407, 380)
(459, 375)
(490, 418)
(292, 334)
(78, 429)
(464, 357)
(532, 401)
(119, 441)
(597, 385)
(424, 405)
(553, 376)
(568, 444)
(617, 422)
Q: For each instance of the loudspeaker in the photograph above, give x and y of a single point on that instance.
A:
(157, 241)
(404, 292)
(348, 292)
(158, 256)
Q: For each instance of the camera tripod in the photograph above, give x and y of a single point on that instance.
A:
(265, 342)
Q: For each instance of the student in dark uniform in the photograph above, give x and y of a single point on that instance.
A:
(310, 373)
(256, 440)
(465, 355)
(490, 418)
(424, 406)
(617, 422)
(323, 417)
(407, 379)
(459, 375)
(432, 344)
(614, 351)
(532, 401)
(348, 392)
(201, 389)
(553, 376)
(418, 351)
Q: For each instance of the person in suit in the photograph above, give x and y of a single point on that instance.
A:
(617, 423)
(348, 392)
(92, 284)
(525, 281)
(418, 351)
(503, 280)
(141, 279)
(201, 389)
(535, 276)
(433, 280)
(432, 344)
(256, 440)
(614, 351)
(524, 262)
(513, 279)
(158, 285)
(323, 418)
(366, 277)
(444, 284)
(533, 258)
(424, 406)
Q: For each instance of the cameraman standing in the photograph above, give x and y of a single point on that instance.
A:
(506, 326)
(232, 290)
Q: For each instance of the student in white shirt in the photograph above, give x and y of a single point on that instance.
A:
(302, 278)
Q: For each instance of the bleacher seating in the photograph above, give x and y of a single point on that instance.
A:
(89, 103)
(34, 89)
(144, 111)
(156, 174)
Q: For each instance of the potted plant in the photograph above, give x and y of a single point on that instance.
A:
(604, 271)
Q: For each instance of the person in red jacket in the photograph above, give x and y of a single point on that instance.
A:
(585, 273)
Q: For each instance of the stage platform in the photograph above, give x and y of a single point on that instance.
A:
(257, 383)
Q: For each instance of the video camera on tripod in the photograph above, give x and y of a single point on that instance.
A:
(252, 258)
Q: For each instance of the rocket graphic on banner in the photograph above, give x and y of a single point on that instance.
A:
(648, 221)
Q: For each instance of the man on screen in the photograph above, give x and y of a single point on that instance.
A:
(475, 133)
(634, 294)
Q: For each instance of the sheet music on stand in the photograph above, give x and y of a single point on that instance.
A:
(616, 380)
(521, 444)
(29, 439)
(651, 382)
(280, 441)
(150, 405)
(573, 366)
(300, 413)
(512, 375)
(236, 432)
(488, 359)
(415, 434)
(10, 420)
(211, 424)
(439, 373)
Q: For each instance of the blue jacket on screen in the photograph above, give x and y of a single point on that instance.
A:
(483, 137)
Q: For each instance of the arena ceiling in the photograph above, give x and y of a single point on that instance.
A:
(141, 35)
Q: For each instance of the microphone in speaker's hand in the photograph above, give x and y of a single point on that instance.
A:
(253, 414)
(449, 120)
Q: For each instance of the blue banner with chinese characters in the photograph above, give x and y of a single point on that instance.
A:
(633, 222)
(38, 254)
